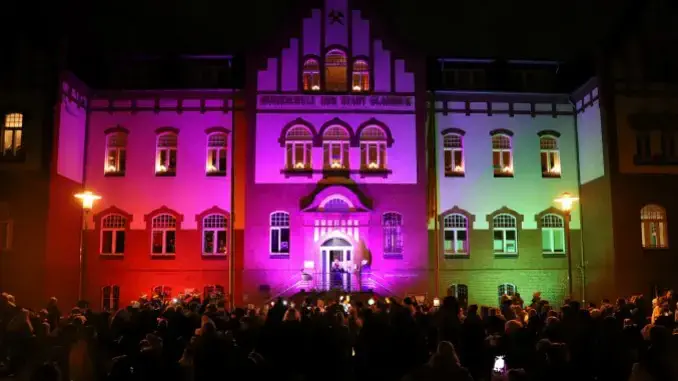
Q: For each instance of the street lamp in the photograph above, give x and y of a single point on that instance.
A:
(87, 199)
(566, 201)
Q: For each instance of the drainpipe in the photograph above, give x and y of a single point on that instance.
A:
(231, 257)
(582, 264)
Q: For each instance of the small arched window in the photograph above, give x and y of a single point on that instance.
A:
(550, 156)
(215, 234)
(453, 149)
(393, 233)
(116, 153)
(311, 76)
(336, 205)
(217, 151)
(113, 229)
(455, 236)
(372, 149)
(361, 76)
(335, 148)
(280, 233)
(502, 155)
(164, 235)
(12, 129)
(653, 227)
(336, 73)
(505, 234)
(166, 155)
(298, 148)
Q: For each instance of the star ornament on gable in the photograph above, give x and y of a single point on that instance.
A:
(336, 17)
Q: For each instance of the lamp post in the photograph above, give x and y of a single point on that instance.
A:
(87, 199)
(566, 201)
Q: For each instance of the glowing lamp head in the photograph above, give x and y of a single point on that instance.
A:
(357, 88)
(370, 301)
(566, 201)
(436, 302)
(387, 300)
(341, 297)
(272, 304)
(315, 88)
(87, 199)
(175, 300)
(284, 302)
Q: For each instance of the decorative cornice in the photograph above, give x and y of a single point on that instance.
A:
(330, 123)
(653, 121)
(213, 210)
(109, 211)
(373, 122)
(294, 123)
(548, 133)
(506, 210)
(551, 210)
(501, 131)
(164, 130)
(217, 129)
(457, 210)
(163, 210)
(115, 129)
(453, 130)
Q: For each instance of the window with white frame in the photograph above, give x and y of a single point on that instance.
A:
(164, 235)
(455, 234)
(113, 228)
(5, 235)
(116, 153)
(459, 291)
(454, 154)
(215, 234)
(217, 151)
(372, 149)
(336, 73)
(311, 76)
(392, 224)
(162, 292)
(502, 155)
(298, 149)
(335, 148)
(505, 234)
(12, 138)
(507, 289)
(653, 230)
(553, 234)
(110, 298)
(280, 233)
(166, 154)
(550, 156)
(361, 76)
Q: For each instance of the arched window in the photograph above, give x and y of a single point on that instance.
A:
(166, 155)
(550, 156)
(298, 148)
(335, 71)
(392, 224)
(214, 234)
(335, 148)
(311, 76)
(502, 155)
(553, 234)
(505, 234)
(217, 144)
(653, 227)
(336, 205)
(164, 234)
(454, 154)
(12, 129)
(455, 236)
(113, 229)
(280, 233)
(110, 298)
(372, 149)
(507, 289)
(361, 76)
(116, 153)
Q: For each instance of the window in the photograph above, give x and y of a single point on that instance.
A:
(113, 229)
(553, 234)
(298, 149)
(361, 76)
(668, 141)
(372, 149)
(653, 227)
(5, 235)
(12, 134)
(507, 289)
(455, 234)
(643, 146)
(162, 292)
(164, 235)
(214, 293)
(336, 205)
(550, 156)
(459, 291)
(502, 156)
(454, 155)
(116, 153)
(214, 234)
(110, 298)
(335, 71)
(280, 233)
(166, 155)
(311, 76)
(335, 148)
(505, 234)
(216, 154)
(393, 233)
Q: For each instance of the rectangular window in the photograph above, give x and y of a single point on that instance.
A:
(643, 147)
(280, 240)
(12, 129)
(336, 155)
(298, 156)
(502, 163)
(166, 155)
(216, 159)
(455, 241)
(110, 298)
(505, 241)
(163, 241)
(454, 162)
(553, 240)
(372, 156)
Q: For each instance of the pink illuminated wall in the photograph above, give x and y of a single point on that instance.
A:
(72, 124)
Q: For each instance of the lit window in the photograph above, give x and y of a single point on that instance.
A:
(335, 148)
(164, 235)
(214, 293)
(166, 155)
(5, 235)
(113, 229)
(110, 298)
(116, 153)
(502, 156)
(361, 76)
(454, 154)
(506, 289)
(550, 156)
(653, 227)
(552, 234)
(393, 233)
(455, 234)
(335, 71)
(298, 148)
(216, 154)
(280, 233)
(505, 234)
(459, 291)
(162, 292)
(215, 234)
(311, 77)
(336, 205)
(372, 149)
(12, 134)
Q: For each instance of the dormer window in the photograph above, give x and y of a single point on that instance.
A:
(311, 76)
(361, 76)
(336, 74)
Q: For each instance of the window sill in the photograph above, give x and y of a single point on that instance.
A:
(216, 174)
(11, 158)
(505, 255)
(655, 248)
(114, 174)
(165, 174)
(554, 255)
(393, 256)
(456, 256)
(654, 160)
(546, 175)
(214, 256)
(375, 172)
(455, 174)
(336, 172)
(503, 174)
(163, 256)
(280, 255)
(303, 172)
(112, 255)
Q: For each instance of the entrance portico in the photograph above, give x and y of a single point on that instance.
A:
(337, 263)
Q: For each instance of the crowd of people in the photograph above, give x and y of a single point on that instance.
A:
(343, 339)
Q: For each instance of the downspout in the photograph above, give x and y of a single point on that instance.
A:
(231, 244)
(433, 182)
(84, 213)
(582, 264)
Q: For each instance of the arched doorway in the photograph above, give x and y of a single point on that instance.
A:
(337, 263)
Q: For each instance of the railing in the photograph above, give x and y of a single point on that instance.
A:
(323, 281)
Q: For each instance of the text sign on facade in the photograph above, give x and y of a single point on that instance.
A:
(334, 102)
